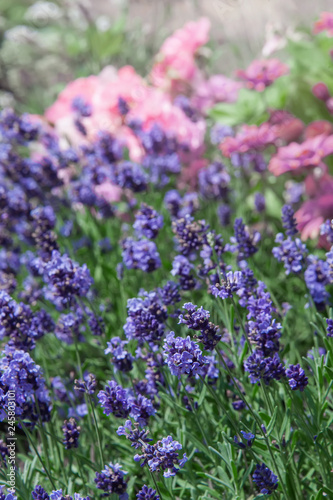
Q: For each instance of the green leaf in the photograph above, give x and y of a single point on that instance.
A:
(271, 424)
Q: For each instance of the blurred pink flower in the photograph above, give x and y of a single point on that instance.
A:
(175, 63)
(296, 157)
(318, 127)
(109, 192)
(324, 23)
(288, 127)
(262, 73)
(250, 137)
(313, 212)
(218, 88)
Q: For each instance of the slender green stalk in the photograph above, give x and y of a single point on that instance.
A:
(155, 483)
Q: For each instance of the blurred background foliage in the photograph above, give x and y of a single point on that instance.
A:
(46, 44)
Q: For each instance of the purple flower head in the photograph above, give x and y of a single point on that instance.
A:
(296, 377)
(70, 327)
(145, 320)
(114, 399)
(169, 293)
(17, 129)
(327, 230)
(228, 285)
(259, 202)
(219, 132)
(183, 356)
(182, 267)
(266, 481)
(19, 373)
(197, 319)
(111, 480)
(317, 276)
(148, 222)
(261, 368)
(71, 434)
(147, 494)
(141, 410)
(190, 234)
(179, 206)
(136, 436)
(123, 107)
(39, 493)
(248, 437)
(214, 181)
(140, 254)
(224, 215)
(81, 106)
(66, 280)
(291, 252)
(243, 243)
(329, 327)
(120, 358)
(288, 220)
(88, 385)
(162, 456)
(131, 176)
(294, 192)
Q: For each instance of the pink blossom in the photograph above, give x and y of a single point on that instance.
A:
(318, 208)
(218, 88)
(109, 192)
(318, 127)
(288, 127)
(324, 23)
(250, 137)
(296, 157)
(175, 62)
(262, 73)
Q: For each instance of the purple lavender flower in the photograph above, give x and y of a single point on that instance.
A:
(147, 494)
(219, 132)
(71, 434)
(259, 202)
(289, 221)
(316, 278)
(145, 320)
(197, 319)
(261, 368)
(58, 495)
(20, 374)
(291, 252)
(182, 267)
(265, 332)
(136, 436)
(243, 243)
(214, 181)
(327, 230)
(121, 359)
(111, 480)
(296, 377)
(66, 280)
(180, 207)
(228, 285)
(190, 234)
(141, 410)
(39, 493)
(123, 107)
(17, 129)
(264, 478)
(114, 399)
(329, 327)
(169, 293)
(248, 437)
(131, 176)
(70, 327)
(148, 222)
(82, 107)
(294, 192)
(140, 254)
(224, 215)
(183, 355)
(88, 385)
(162, 456)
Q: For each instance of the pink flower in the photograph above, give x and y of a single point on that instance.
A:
(250, 137)
(262, 73)
(295, 157)
(318, 127)
(218, 88)
(288, 127)
(324, 23)
(175, 62)
(109, 192)
(318, 208)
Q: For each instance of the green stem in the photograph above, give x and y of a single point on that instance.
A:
(155, 483)
(26, 432)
